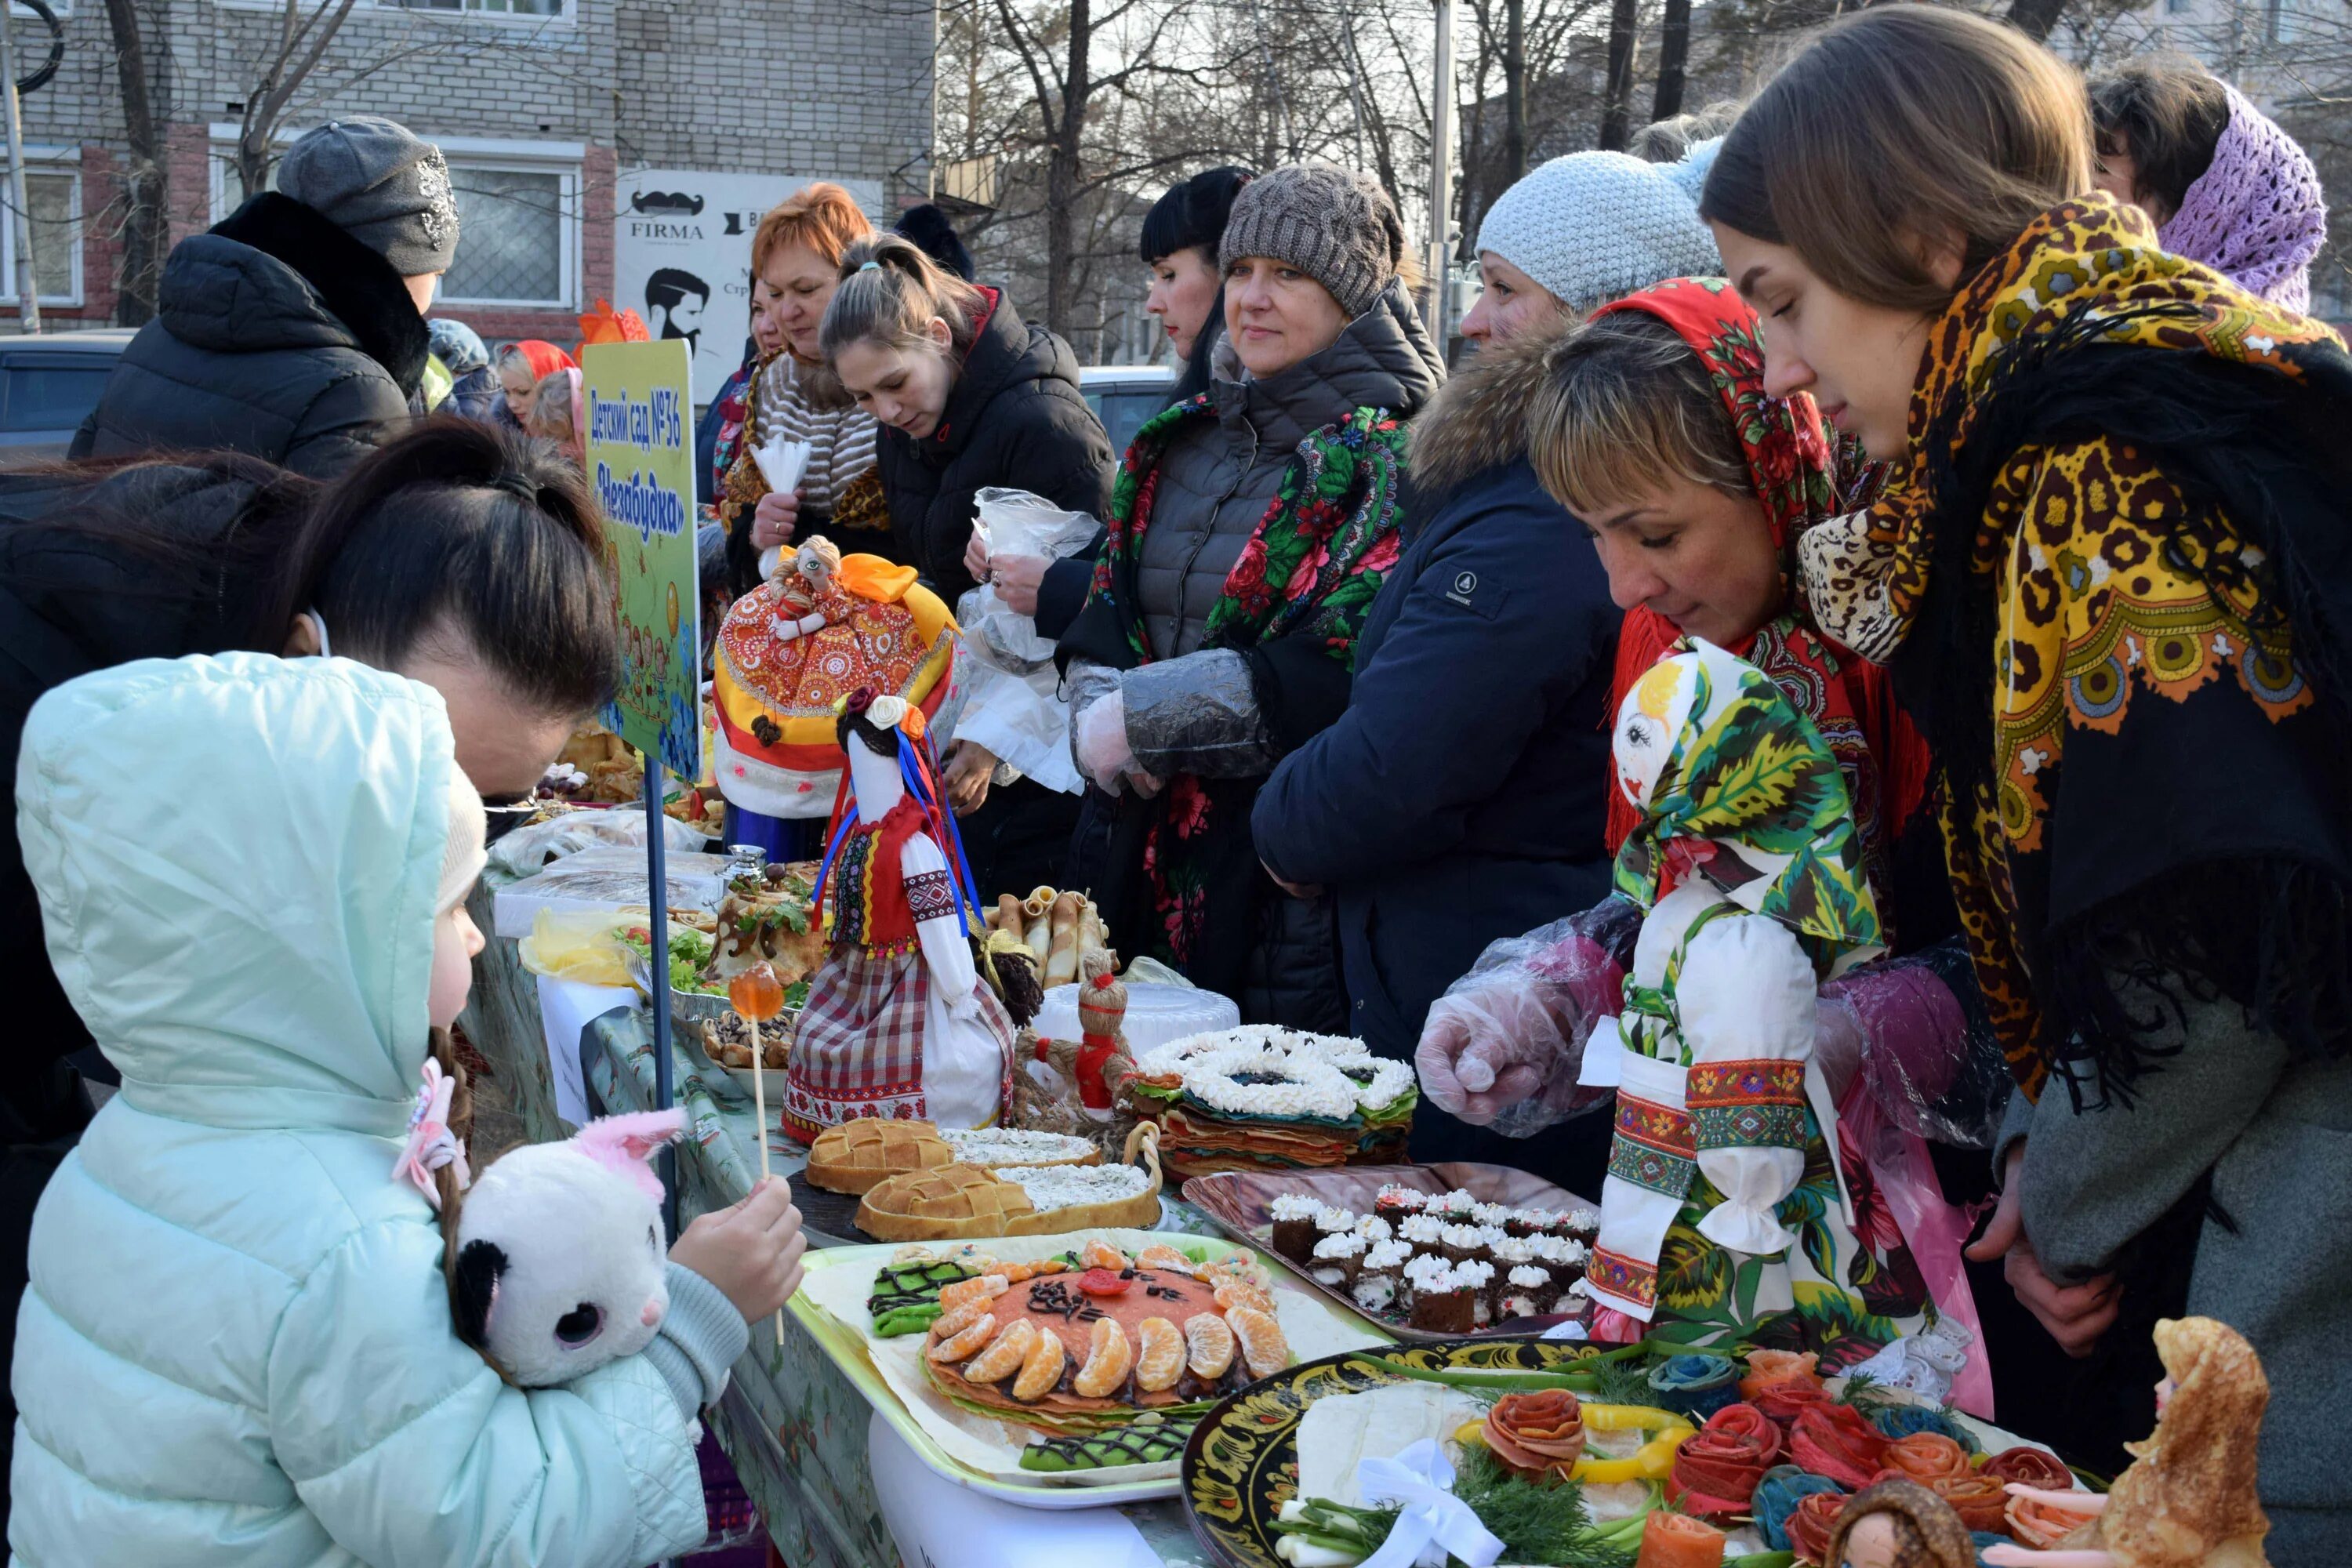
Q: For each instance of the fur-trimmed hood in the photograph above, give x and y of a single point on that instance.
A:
(1479, 420)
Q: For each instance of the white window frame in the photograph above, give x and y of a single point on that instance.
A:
(41, 159)
(569, 17)
(562, 159)
(557, 158)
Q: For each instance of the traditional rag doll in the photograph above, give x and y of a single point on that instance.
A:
(1899, 1524)
(899, 1022)
(822, 625)
(2189, 1499)
(1749, 866)
(558, 1262)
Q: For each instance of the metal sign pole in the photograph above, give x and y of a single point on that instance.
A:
(28, 290)
(657, 899)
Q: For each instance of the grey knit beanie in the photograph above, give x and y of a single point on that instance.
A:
(381, 183)
(1334, 225)
(1591, 227)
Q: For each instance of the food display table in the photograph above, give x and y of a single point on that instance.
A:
(793, 1425)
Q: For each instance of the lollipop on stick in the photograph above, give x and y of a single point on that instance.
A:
(758, 995)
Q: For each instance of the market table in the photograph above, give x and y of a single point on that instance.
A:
(795, 1427)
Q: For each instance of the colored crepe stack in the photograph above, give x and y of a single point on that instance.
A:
(1716, 1469)
(2031, 1467)
(1777, 1497)
(1697, 1385)
(1923, 1456)
(1535, 1434)
(1808, 1530)
(1902, 1420)
(1836, 1441)
(1782, 1403)
(1672, 1541)
(2041, 1520)
(1979, 1500)
(1783, 1382)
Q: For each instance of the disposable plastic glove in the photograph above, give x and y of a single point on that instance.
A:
(1486, 1049)
(1104, 754)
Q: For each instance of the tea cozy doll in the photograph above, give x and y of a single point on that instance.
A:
(1749, 866)
(899, 1022)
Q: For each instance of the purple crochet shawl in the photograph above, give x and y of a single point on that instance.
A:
(2255, 215)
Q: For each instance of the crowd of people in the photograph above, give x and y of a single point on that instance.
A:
(1973, 404)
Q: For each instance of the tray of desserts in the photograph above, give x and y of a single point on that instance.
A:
(1428, 1252)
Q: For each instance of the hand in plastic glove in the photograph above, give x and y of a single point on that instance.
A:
(774, 519)
(1486, 1049)
(1838, 1041)
(1103, 752)
(2075, 1315)
(969, 766)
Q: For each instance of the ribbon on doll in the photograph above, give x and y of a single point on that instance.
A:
(431, 1145)
(1435, 1523)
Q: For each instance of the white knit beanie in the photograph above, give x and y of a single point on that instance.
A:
(465, 854)
(1595, 226)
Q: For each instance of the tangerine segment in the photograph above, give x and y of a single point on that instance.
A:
(1159, 1254)
(1160, 1360)
(1109, 1358)
(980, 1287)
(1233, 1291)
(1041, 1369)
(1263, 1345)
(947, 1325)
(965, 1340)
(1209, 1344)
(1005, 1353)
(1101, 1254)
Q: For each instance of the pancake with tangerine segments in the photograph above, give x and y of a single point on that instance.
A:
(1056, 1304)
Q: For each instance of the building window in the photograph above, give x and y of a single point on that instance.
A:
(486, 7)
(515, 229)
(2278, 21)
(55, 197)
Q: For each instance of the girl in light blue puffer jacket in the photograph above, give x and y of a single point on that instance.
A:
(236, 1347)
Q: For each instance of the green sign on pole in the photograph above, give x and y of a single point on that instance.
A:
(640, 421)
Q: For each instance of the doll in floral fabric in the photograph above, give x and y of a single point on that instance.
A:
(1724, 1206)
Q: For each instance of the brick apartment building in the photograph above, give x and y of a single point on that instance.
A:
(552, 113)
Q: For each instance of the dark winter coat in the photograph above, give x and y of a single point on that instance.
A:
(1015, 419)
(1218, 712)
(275, 334)
(476, 396)
(1460, 798)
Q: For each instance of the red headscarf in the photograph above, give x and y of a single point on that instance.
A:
(1791, 465)
(544, 358)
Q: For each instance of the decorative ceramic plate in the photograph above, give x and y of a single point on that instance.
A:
(1242, 1464)
(1242, 1202)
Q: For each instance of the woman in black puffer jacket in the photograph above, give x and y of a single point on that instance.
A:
(969, 397)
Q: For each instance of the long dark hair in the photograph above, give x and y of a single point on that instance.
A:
(460, 530)
(456, 532)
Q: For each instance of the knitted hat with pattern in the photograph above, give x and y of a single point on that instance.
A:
(383, 184)
(2256, 213)
(1334, 225)
(1591, 227)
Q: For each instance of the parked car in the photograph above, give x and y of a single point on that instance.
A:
(1124, 395)
(48, 385)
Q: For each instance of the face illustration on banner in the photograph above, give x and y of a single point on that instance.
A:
(682, 256)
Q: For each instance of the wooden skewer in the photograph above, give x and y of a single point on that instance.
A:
(760, 1108)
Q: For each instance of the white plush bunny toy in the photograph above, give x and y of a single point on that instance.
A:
(560, 1260)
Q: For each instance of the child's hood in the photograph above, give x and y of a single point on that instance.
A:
(237, 858)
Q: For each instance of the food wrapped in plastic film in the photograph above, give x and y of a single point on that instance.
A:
(1502, 1047)
(1916, 1029)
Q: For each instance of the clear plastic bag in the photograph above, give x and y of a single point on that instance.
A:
(530, 850)
(1909, 1027)
(1517, 1024)
(577, 944)
(1015, 522)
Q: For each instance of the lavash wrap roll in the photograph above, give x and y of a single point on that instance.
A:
(1062, 951)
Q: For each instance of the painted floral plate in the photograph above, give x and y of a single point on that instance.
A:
(1242, 1464)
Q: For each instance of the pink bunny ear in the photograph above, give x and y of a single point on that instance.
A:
(626, 1142)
